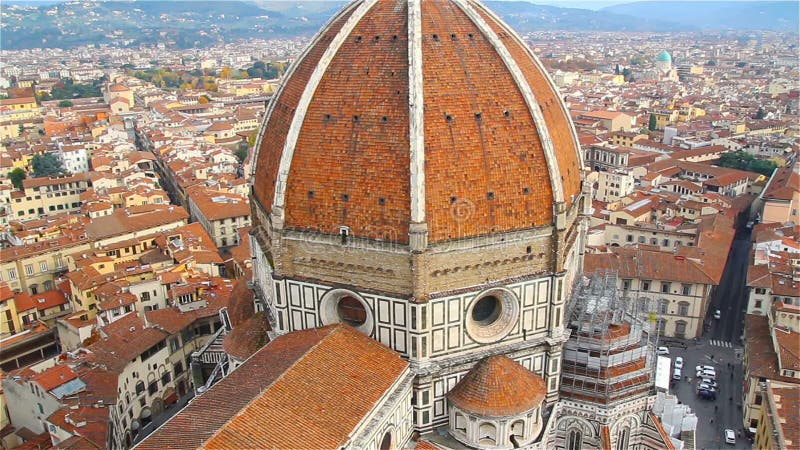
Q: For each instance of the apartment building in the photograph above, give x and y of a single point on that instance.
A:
(221, 214)
(110, 391)
(611, 186)
(772, 346)
(776, 429)
(49, 195)
(34, 267)
(675, 284)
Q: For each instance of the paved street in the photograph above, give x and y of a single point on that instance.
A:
(726, 410)
(719, 346)
(731, 295)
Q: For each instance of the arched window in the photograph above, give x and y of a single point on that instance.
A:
(683, 308)
(622, 438)
(518, 430)
(487, 434)
(386, 443)
(574, 440)
(663, 306)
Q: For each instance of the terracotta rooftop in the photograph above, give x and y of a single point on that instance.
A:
(762, 361)
(247, 338)
(41, 302)
(787, 405)
(655, 265)
(264, 403)
(124, 221)
(482, 152)
(498, 386)
(54, 377)
(125, 339)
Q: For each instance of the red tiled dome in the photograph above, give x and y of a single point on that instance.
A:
(420, 111)
(498, 386)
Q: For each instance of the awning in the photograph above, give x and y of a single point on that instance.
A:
(171, 398)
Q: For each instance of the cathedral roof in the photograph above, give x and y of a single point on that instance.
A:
(498, 386)
(305, 389)
(404, 112)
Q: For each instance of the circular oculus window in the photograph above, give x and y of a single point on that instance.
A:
(492, 315)
(343, 306)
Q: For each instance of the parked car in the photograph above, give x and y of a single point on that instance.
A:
(705, 387)
(679, 362)
(662, 351)
(708, 374)
(709, 382)
(717, 314)
(700, 369)
(707, 395)
(676, 374)
(730, 436)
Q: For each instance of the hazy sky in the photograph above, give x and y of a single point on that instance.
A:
(583, 4)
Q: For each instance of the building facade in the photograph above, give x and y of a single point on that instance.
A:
(411, 251)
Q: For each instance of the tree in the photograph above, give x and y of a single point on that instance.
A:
(745, 161)
(653, 124)
(16, 176)
(241, 152)
(64, 104)
(47, 164)
(763, 166)
(627, 74)
(760, 114)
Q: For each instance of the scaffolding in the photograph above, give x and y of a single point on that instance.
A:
(608, 357)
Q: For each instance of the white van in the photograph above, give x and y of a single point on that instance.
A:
(676, 374)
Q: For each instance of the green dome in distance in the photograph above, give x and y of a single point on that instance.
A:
(664, 56)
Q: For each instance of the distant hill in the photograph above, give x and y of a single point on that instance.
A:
(186, 24)
(716, 15)
(181, 24)
(525, 17)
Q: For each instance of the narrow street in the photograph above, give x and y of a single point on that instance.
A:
(731, 295)
(721, 347)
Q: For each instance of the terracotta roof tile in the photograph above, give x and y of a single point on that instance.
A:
(498, 386)
(246, 338)
(484, 156)
(265, 402)
(54, 377)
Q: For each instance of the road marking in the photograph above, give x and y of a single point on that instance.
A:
(717, 343)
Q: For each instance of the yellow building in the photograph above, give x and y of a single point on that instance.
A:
(18, 108)
(777, 428)
(48, 195)
(9, 130)
(9, 322)
(664, 117)
(33, 267)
